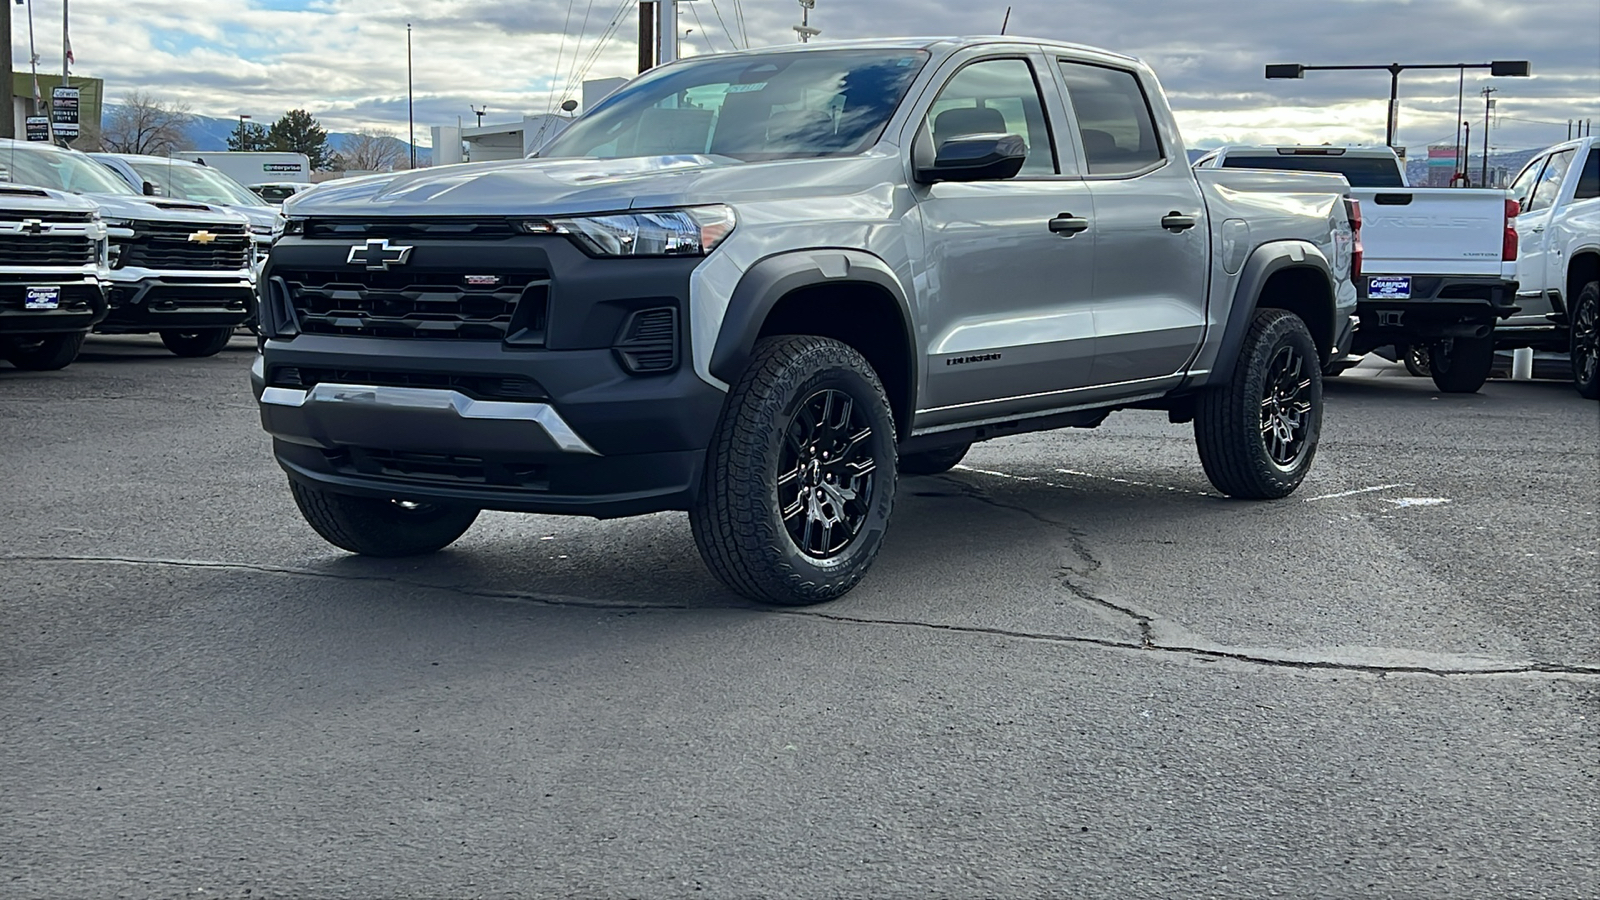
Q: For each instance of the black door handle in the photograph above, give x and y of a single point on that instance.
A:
(1176, 222)
(1068, 224)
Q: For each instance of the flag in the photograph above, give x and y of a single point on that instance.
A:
(71, 60)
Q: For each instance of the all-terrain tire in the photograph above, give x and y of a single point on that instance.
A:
(44, 353)
(933, 462)
(1461, 365)
(769, 458)
(197, 342)
(1585, 341)
(375, 527)
(1277, 382)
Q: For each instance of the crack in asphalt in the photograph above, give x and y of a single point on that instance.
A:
(1490, 668)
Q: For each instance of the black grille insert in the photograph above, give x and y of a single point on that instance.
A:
(478, 387)
(419, 305)
(197, 247)
(411, 228)
(445, 468)
(46, 250)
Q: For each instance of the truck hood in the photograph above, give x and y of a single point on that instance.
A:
(22, 199)
(576, 186)
(127, 206)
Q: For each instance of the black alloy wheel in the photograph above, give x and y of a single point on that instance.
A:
(825, 491)
(1286, 408)
(1585, 341)
(1418, 360)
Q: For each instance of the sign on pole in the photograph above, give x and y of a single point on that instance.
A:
(38, 128)
(64, 111)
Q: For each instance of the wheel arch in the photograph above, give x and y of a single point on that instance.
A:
(1289, 275)
(848, 295)
(1582, 268)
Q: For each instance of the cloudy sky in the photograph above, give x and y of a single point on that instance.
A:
(345, 59)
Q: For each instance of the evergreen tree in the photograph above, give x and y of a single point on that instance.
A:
(248, 136)
(298, 132)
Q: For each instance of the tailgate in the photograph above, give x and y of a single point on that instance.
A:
(1432, 231)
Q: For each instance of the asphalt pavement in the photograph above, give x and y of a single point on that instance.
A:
(1075, 671)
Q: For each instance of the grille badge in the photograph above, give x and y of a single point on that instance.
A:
(483, 280)
(202, 237)
(377, 255)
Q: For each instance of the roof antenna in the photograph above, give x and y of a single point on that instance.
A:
(1007, 21)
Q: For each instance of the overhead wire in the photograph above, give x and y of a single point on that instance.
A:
(561, 50)
(725, 30)
(703, 33)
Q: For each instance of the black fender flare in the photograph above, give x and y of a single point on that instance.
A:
(1266, 261)
(777, 276)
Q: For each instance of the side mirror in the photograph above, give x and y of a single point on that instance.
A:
(976, 157)
(150, 190)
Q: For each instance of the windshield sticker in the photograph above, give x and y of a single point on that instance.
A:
(746, 88)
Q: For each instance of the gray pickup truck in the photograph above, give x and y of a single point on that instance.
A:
(761, 286)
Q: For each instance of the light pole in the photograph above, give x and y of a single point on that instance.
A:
(411, 103)
(1518, 68)
(1488, 104)
(479, 111)
(242, 119)
(1466, 150)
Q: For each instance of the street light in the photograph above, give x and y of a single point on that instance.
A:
(1512, 68)
(479, 111)
(242, 119)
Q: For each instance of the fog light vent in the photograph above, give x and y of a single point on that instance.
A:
(648, 342)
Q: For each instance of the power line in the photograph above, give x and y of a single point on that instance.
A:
(725, 29)
(703, 33)
(738, 13)
(555, 76)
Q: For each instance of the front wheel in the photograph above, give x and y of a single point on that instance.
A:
(1461, 365)
(196, 343)
(45, 353)
(378, 527)
(800, 476)
(1258, 434)
(1585, 346)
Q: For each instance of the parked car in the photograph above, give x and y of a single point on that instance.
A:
(1439, 268)
(52, 254)
(275, 192)
(165, 176)
(180, 269)
(1558, 264)
(760, 286)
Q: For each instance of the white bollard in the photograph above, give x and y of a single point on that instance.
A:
(1522, 364)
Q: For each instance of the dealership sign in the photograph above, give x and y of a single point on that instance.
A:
(64, 111)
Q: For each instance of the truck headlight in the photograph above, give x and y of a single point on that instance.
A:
(689, 231)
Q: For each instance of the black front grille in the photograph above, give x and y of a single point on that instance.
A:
(46, 250)
(165, 246)
(446, 468)
(478, 387)
(404, 304)
(456, 229)
(648, 341)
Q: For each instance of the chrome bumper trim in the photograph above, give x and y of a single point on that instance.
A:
(403, 398)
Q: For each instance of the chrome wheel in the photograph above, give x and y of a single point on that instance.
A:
(825, 489)
(1585, 345)
(1286, 408)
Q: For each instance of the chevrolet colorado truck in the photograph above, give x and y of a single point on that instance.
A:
(1439, 269)
(183, 270)
(1558, 266)
(52, 252)
(761, 286)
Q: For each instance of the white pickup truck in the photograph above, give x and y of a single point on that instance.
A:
(1558, 264)
(1439, 264)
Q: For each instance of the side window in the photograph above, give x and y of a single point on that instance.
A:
(1114, 118)
(994, 96)
(1589, 181)
(1549, 186)
(1522, 188)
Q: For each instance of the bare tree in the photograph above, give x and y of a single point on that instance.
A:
(372, 150)
(143, 124)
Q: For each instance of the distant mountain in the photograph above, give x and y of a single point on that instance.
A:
(209, 133)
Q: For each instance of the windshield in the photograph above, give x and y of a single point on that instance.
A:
(275, 194)
(794, 105)
(1360, 171)
(59, 170)
(197, 183)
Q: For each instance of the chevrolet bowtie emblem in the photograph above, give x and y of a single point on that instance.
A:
(202, 237)
(377, 255)
(33, 226)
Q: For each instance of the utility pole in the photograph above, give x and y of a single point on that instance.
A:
(1488, 104)
(647, 35)
(804, 29)
(666, 32)
(8, 105)
(411, 103)
(1466, 150)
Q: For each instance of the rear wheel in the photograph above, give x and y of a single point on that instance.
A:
(1585, 347)
(1258, 434)
(933, 462)
(1418, 360)
(800, 475)
(197, 342)
(1461, 365)
(378, 527)
(43, 353)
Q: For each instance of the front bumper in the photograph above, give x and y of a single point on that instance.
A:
(83, 304)
(1440, 306)
(143, 300)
